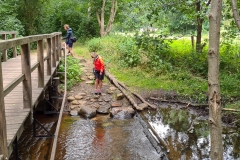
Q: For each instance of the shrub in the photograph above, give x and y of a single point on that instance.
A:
(94, 45)
(129, 55)
(155, 49)
(73, 71)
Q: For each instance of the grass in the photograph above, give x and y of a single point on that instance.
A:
(184, 79)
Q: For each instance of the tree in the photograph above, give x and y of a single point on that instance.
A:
(194, 13)
(99, 9)
(235, 13)
(214, 96)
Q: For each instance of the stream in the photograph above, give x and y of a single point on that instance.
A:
(102, 138)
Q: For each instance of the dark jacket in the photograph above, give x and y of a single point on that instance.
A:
(69, 35)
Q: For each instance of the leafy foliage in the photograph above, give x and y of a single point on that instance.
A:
(73, 71)
(94, 45)
(129, 55)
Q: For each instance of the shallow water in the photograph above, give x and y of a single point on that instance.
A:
(103, 138)
(173, 126)
(32, 148)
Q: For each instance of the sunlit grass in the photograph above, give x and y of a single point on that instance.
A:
(187, 85)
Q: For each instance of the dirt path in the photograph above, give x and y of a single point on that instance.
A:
(83, 101)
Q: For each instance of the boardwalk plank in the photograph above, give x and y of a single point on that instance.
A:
(15, 113)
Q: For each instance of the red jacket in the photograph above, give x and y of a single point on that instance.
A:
(99, 64)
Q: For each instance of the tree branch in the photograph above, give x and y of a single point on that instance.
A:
(235, 13)
(112, 15)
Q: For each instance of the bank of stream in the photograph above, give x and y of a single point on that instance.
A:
(184, 130)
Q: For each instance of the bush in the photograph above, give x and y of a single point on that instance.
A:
(155, 49)
(129, 55)
(73, 71)
(94, 45)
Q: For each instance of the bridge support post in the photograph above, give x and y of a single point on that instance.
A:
(3, 127)
(55, 92)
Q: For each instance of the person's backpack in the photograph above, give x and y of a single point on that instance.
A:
(73, 39)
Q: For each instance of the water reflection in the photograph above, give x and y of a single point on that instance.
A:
(103, 138)
(173, 126)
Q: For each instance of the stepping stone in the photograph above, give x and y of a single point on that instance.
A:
(82, 94)
(106, 99)
(89, 82)
(87, 111)
(122, 112)
(120, 96)
(108, 91)
(70, 98)
(89, 74)
(83, 79)
(93, 100)
(78, 97)
(91, 77)
(82, 102)
(112, 88)
(74, 113)
(75, 102)
(116, 104)
(72, 107)
(103, 110)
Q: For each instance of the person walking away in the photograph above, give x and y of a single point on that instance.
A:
(68, 41)
(99, 72)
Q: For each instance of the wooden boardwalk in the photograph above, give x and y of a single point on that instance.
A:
(17, 105)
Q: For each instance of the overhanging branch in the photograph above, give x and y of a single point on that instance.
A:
(236, 13)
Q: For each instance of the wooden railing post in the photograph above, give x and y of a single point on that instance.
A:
(54, 51)
(4, 52)
(3, 127)
(26, 70)
(60, 45)
(57, 48)
(14, 48)
(49, 54)
(40, 57)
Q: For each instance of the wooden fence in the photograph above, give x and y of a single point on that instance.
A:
(53, 42)
(4, 37)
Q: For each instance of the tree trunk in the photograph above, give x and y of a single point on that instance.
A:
(199, 28)
(215, 124)
(112, 15)
(100, 18)
(192, 40)
(235, 13)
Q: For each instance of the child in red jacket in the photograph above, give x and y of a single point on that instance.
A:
(98, 72)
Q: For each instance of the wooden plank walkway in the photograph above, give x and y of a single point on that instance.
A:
(22, 82)
(16, 115)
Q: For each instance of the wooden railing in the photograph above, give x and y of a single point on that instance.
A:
(4, 37)
(53, 55)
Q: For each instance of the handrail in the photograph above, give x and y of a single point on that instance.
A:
(8, 32)
(35, 66)
(13, 84)
(10, 43)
